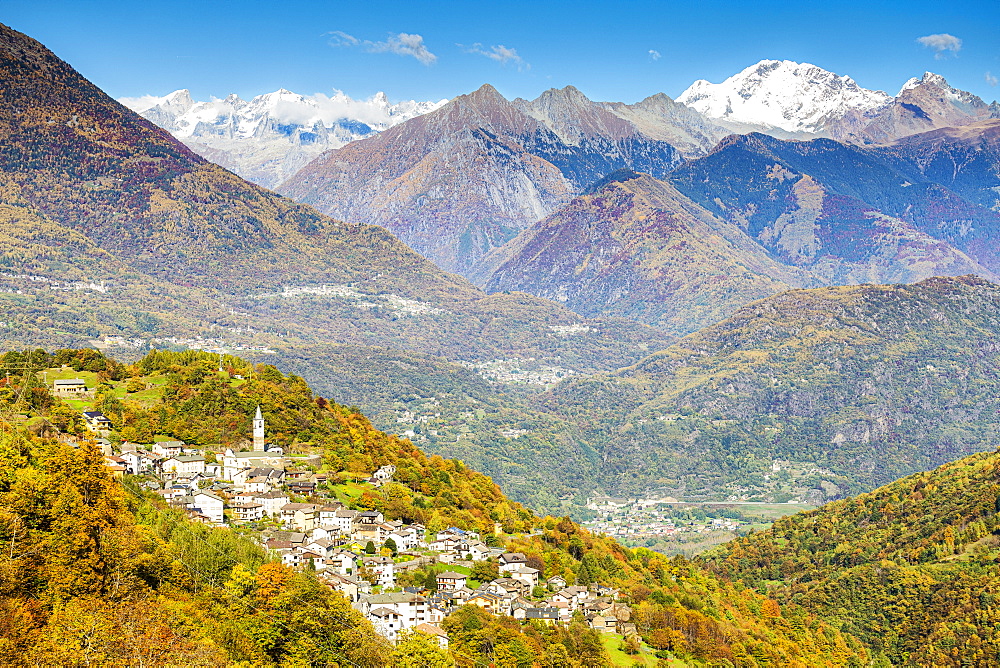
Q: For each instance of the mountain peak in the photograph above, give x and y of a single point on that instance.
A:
(485, 92)
(930, 87)
(566, 93)
(573, 116)
(782, 94)
(929, 78)
(617, 176)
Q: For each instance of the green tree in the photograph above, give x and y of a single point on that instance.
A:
(485, 571)
(419, 650)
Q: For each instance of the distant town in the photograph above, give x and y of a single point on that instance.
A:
(668, 525)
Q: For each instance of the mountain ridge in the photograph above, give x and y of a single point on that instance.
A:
(268, 138)
(464, 179)
(910, 567)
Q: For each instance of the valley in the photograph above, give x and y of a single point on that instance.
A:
(697, 381)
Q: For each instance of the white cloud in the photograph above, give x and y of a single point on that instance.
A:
(141, 103)
(402, 44)
(654, 54)
(340, 38)
(499, 53)
(991, 80)
(941, 43)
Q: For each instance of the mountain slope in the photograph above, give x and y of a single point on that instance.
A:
(88, 553)
(466, 178)
(841, 210)
(846, 388)
(637, 248)
(91, 165)
(910, 568)
(110, 185)
(659, 117)
(116, 235)
(755, 215)
(966, 160)
(923, 104)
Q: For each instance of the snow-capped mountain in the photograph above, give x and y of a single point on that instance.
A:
(783, 95)
(923, 104)
(272, 136)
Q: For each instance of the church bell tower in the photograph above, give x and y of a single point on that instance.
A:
(258, 431)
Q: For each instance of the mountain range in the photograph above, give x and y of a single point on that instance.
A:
(459, 183)
(464, 179)
(801, 101)
(272, 136)
(494, 189)
(755, 216)
(116, 232)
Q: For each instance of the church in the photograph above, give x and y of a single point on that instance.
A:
(262, 455)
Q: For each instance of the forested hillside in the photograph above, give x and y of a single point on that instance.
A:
(820, 393)
(88, 554)
(911, 568)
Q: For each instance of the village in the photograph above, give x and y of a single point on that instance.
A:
(671, 529)
(674, 527)
(371, 561)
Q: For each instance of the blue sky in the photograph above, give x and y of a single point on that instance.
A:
(430, 50)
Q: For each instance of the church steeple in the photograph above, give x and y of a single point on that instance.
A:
(258, 431)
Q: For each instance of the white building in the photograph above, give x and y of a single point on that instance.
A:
(139, 461)
(236, 463)
(69, 387)
(383, 567)
(272, 502)
(411, 608)
(387, 622)
(248, 512)
(209, 505)
(343, 519)
(510, 561)
(168, 448)
(527, 575)
(342, 562)
(385, 473)
(183, 465)
(301, 516)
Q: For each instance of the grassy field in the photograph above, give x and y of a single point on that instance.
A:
(620, 658)
(89, 377)
(148, 396)
(349, 492)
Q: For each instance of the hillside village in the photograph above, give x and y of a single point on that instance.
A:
(374, 563)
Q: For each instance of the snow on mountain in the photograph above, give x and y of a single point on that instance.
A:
(785, 95)
(945, 89)
(270, 137)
